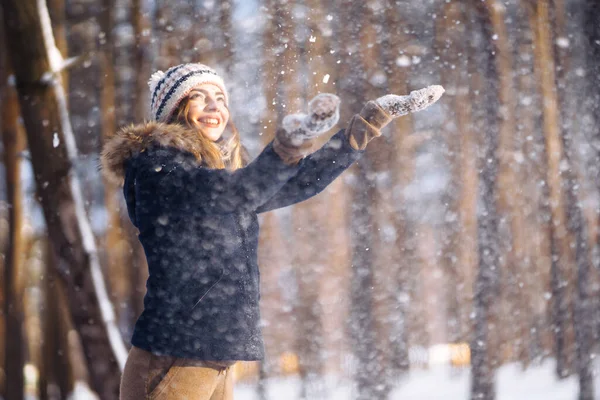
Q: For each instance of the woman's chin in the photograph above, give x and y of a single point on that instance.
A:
(210, 133)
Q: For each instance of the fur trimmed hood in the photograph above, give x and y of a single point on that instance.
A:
(134, 139)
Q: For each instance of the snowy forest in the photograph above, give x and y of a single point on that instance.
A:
(459, 258)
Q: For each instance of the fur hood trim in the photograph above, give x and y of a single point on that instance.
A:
(134, 139)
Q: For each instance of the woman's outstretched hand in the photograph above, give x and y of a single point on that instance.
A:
(295, 140)
(375, 115)
(417, 100)
(323, 114)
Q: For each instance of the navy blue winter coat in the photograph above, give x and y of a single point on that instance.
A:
(199, 230)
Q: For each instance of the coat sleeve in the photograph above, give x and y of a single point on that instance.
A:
(316, 172)
(180, 180)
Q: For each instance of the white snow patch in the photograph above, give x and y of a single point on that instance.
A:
(378, 79)
(526, 101)
(403, 61)
(438, 383)
(562, 42)
(82, 391)
(519, 157)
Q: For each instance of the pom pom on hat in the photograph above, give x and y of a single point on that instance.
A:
(167, 89)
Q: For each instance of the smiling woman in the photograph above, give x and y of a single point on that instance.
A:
(195, 202)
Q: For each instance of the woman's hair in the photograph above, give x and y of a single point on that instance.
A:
(225, 153)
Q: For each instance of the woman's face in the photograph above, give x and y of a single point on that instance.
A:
(208, 110)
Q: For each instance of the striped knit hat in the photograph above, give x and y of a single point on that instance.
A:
(167, 89)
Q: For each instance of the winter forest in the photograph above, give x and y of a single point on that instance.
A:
(459, 258)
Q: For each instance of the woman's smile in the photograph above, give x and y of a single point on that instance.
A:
(213, 122)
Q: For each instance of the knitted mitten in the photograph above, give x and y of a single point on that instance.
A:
(295, 140)
(377, 114)
(417, 100)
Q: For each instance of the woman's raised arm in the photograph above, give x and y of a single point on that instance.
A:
(343, 149)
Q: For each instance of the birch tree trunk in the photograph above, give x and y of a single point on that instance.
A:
(56, 355)
(53, 152)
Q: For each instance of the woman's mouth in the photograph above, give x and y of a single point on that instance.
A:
(214, 122)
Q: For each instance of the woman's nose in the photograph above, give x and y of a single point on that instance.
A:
(211, 104)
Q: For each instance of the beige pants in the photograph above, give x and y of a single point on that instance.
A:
(151, 377)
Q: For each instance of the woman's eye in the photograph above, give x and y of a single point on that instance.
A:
(221, 99)
(195, 96)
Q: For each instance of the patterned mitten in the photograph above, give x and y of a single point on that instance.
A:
(296, 140)
(375, 115)
(417, 100)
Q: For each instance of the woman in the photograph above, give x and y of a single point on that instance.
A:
(195, 203)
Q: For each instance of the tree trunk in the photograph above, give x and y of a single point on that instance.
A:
(486, 284)
(460, 253)
(227, 51)
(83, 81)
(583, 313)
(276, 309)
(592, 33)
(562, 272)
(13, 142)
(118, 252)
(329, 240)
(310, 220)
(55, 357)
(60, 357)
(356, 48)
(538, 334)
(53, 152)
(143, 30)
(144, 52)
(510, 204)
(395, 148)
(590, 14)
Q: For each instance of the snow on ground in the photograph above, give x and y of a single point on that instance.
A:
(441, 383)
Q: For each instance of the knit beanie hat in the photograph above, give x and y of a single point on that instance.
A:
(167, 89)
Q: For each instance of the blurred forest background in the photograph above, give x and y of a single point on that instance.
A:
(472, 225)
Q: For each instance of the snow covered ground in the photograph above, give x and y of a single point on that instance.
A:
(440, 383)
